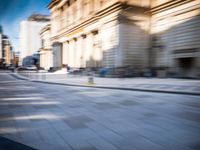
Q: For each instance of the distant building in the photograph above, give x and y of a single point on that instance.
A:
(29, 34)
(15, 60)
(6, 52)
(1, 47)
(1, 29)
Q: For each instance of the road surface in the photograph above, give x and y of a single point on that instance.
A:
(45, 116)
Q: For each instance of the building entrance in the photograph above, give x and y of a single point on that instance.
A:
(186, 66)
(57, 55)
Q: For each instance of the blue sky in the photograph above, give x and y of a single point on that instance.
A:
(14, 11)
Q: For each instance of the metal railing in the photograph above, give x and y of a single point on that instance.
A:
(33, 75)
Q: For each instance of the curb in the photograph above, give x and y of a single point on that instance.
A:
(106, 87)
(18, 77)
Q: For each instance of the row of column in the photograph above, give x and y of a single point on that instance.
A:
(83, 51)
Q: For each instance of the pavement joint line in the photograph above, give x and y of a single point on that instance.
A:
(106, 87)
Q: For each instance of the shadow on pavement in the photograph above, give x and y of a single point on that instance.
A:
(6, 144)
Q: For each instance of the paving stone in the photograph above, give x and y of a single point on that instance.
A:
(78, 135)
(192, 116)
(128, 103)
(51, 106)
(105, 106)
(150, 114)
(191, 103)
(78, 121)
(102, 144)
(80, 145)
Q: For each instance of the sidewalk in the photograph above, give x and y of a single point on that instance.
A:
(165, 85)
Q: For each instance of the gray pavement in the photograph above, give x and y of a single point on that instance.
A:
(163, 85)
(46, 116)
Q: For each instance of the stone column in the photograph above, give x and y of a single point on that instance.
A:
(70, 53)
(67, 52)
(96, 49)
(75, 52)
(64, 54)
(83, 51)
(78, 52)
(88, 53)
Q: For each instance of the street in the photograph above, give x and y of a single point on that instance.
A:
(46, 116)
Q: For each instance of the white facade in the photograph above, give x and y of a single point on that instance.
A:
(30, 41)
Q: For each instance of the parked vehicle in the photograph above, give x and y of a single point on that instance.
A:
(74, 71)
(20, 68)
(30, 67)
(11, 67)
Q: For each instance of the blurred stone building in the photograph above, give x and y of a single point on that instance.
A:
(175, 32)
(100, 33)
(161, 35)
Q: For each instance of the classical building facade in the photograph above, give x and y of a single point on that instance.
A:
(46, 54)
(100, 33)
(163, 35)
(29, 35)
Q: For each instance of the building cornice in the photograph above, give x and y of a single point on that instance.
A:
(45, 49)
(46, 28)
(168, 5)
(98, 15)
(106, 10)
(53, 3)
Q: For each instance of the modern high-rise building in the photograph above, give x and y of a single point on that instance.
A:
(161, 35)
(1, 34)
(30, 42)
(6, 52)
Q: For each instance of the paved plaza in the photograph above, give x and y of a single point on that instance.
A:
(56, 117)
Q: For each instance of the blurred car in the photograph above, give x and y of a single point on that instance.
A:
(11, 67)
(103, 72)
(74, 71)
(53, 69)
(30, 67)
(20, 68)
